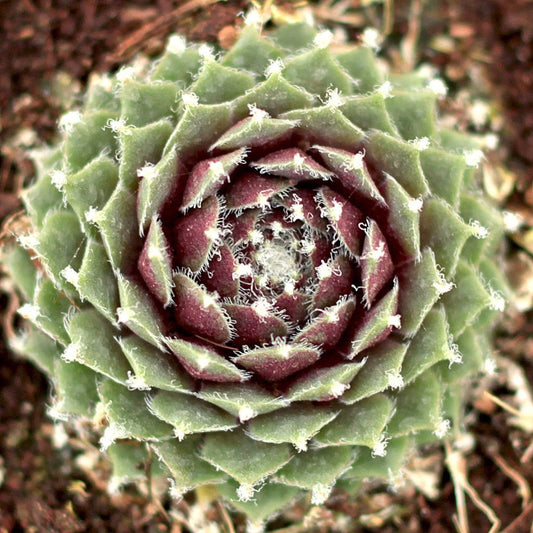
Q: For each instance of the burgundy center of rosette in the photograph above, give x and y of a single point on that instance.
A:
(282, 247)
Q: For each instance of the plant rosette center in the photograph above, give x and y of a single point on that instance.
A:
(274, 244)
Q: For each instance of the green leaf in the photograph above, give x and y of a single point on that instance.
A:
(442, 230)
(60, 244)
(48, 311)
(75, 386)
(178, 64)
(251, 52)
(21, 269)
(399, 159)
(375, 323)
(37, 346)
(316, 470)
(94, 345)
(128, 416)
(361, 424)
(95, 281)
(417, 406)
(429, 346)
(444, 173)
(380, 371)
(470, 350)
(466, 300)
(203, 362)
(275, 95)
(317, 72)
(187, 469)
(294, 37)
(254, 132)
(487, 228)
(369, 465)
(246, 460)
(91, 188)
(189, 415)
(40, 199)
(101, 94)
(421, 285)
(157, 184)
(152, 367)
(244, 400)
(265, 502)
(94, 134)
(323, 384)
(117, 223)
(139, 312)
(144, 103)
(403, 217)
(198, 128)
(361, 64)
(295, 425)
(368, 112)
(413, 113)
(129, 460)
(140, 147)
(327, 125)
(216, 83)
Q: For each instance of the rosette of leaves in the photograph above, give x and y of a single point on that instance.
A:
(268, 269)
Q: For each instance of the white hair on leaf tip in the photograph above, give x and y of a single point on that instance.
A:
(135, 382)
(455, 357)
(478, 231)
(334, 97)
(385, 89)
(323, 271)
(253, 17)
(69, 120)
(415, 204)
(246, 492)
(177, 44)
(148, 171)
(257, 114)
(320, 493)
(420, 143)
(70, 275)
(395, 380)
(512, 221)
(356, 162)
(70, 353)
(58, 179)
(206, 52)
(28, 241)
(323, 39)
(125, 73)
(30, 312)
(442, 429)
(372, 38)
(497, 301)
(246, 413)
(473, 157)
(189, 99)
(380, 449)
(438, 87)
(275, 66)
(443, 285)
(92, 215)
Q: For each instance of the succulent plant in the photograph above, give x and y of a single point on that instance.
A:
(270, 266)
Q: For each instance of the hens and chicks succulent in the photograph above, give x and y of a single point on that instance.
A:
(269, 266)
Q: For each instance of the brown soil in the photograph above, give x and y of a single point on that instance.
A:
(41, 488)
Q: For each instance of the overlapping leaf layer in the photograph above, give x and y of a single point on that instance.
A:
(271, 265)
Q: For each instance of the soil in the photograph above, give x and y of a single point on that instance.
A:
(482, 44)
